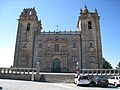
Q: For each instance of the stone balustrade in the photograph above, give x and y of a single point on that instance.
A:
(18, 70)
(20, 73)
(34, 74)
(82, 71)
(100, 71)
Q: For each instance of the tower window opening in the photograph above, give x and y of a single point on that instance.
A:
(56, 47)
(89, 25)
(28, 26)
(91, 45)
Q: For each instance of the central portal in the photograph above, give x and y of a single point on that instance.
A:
(56, 65)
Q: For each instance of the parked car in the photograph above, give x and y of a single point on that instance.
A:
(81, 80)
(114, 80)
(98, 81)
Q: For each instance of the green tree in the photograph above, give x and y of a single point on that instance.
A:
(106, 64)
(118, 65)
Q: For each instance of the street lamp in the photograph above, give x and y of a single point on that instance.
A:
(38, 67)
(77, 68)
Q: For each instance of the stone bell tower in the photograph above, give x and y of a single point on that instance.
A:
(91, 48)
(28, 26)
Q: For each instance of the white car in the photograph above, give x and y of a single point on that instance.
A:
(114, 80)
(81, 80)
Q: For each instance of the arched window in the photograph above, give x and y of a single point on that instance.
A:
(89, 25)
(28, 26)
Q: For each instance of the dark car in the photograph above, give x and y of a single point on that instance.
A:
(98, 81)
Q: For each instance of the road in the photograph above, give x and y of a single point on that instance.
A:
(30, 85)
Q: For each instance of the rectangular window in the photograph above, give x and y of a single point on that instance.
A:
(74, 45)
(91, 45)
(40, 45)
(56, 47)
(89, 25)
(24, 45)
(28, 26)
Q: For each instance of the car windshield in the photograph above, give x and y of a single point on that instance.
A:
(101, 77)
(83, 77)
(112, 77)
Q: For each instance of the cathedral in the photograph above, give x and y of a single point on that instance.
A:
(58, 51)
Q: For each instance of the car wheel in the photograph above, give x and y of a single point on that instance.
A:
(106, 85)
(92, 84)
(115, 84)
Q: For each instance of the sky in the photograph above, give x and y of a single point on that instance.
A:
(63, 13)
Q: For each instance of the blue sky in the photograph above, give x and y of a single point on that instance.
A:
(65, 14)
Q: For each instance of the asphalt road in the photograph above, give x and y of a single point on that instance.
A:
(29, 85)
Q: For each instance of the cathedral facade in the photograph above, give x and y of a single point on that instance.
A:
(58, 51)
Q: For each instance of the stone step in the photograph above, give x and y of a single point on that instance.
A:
(57, 78)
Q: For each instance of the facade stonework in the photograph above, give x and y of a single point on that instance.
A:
(58, 51)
